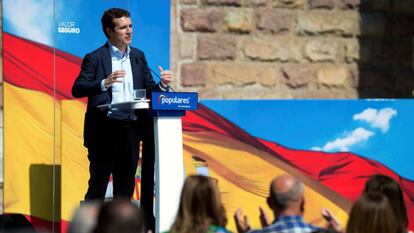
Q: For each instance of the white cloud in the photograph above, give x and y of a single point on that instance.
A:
(316, 148)
(30, 19)
(350, 139)
(377, 118)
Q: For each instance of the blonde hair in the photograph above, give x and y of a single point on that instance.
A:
(200, 206)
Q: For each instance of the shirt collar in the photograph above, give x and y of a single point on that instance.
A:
(289, 218)
(116, 52)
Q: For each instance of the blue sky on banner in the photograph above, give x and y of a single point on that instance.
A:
(78, 27)
(376, 129)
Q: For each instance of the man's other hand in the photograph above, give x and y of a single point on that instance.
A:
(167, 76)
(114, 77)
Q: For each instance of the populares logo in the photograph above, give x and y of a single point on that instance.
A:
(68, 27)
(163, 99)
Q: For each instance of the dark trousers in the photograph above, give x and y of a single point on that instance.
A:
(117, 152)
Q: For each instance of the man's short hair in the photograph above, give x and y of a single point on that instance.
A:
(282, 200)
(108, 17)
(120, 215)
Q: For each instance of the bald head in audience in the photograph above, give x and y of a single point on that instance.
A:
(286, 200)
(286, 196)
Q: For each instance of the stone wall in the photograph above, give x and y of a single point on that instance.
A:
(293, 48)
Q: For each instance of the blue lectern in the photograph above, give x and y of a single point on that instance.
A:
(167, 109)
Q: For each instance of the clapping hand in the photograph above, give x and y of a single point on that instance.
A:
(242, 222)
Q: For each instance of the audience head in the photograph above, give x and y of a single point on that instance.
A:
(85, 217)
(200, 206)
(286, 195)
(120, 216)
(392, 190)
(372, 213)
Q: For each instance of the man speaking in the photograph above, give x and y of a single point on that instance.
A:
(109, 75)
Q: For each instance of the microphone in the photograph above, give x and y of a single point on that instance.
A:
(146, 64)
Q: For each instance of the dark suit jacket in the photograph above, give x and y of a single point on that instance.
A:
(96, 66)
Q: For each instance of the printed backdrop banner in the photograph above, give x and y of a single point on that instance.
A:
(333, 146)
(46, 166)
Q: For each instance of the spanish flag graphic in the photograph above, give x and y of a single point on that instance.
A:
(46, 166)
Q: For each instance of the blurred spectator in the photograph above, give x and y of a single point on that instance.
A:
(200, 209)
(372, 213)
(392, 190)
(287, 201)
(120, 216)
(85, 217)
(16, 223)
